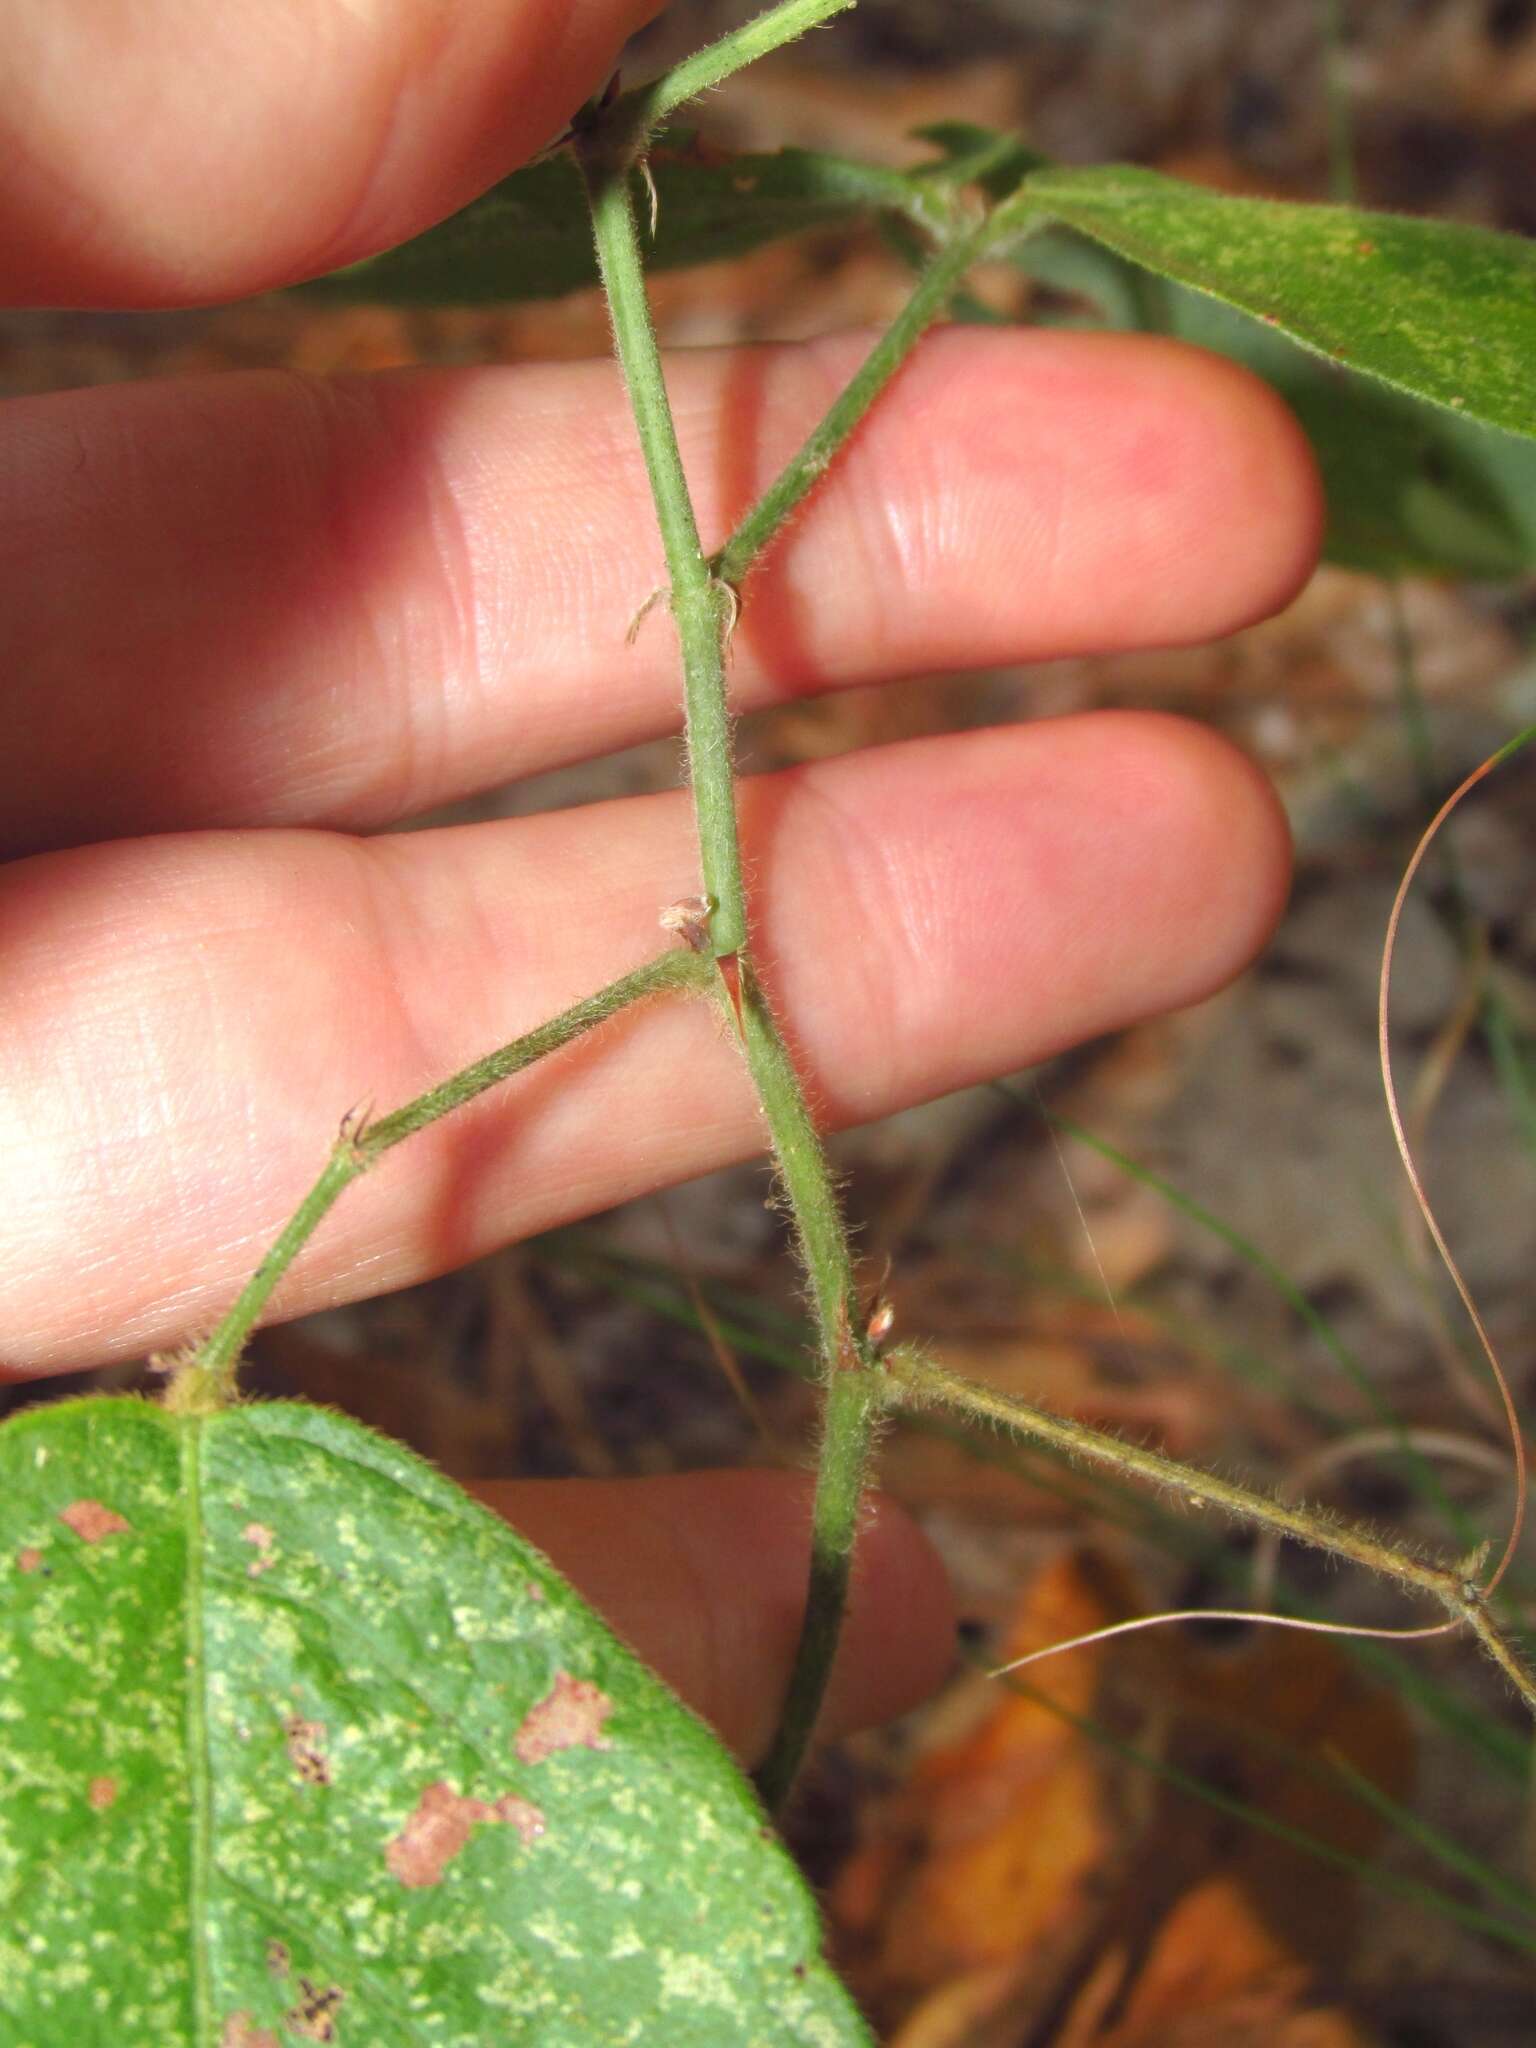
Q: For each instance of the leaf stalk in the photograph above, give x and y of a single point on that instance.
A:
(935, 288)
(640, 112)
(700, 604)
(915, 1381)
(204, 1382)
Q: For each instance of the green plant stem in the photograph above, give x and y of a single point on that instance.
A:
(639, 113)
(700, 604)
(926, 1382)
(935, 289)
(913, 1380)
(854, 1378)
(205, 1381)
(756, 1331)
(703, 606)
(802, 1163)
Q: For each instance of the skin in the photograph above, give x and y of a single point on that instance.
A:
(247, 618)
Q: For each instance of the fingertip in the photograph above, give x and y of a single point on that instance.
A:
(1058, 880)
(1261, 474)
(1219, 834)
(1218, 488)
(1130, 490)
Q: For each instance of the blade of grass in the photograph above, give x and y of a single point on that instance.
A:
(1518, 1897)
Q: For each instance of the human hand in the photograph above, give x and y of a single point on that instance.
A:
(249, 617)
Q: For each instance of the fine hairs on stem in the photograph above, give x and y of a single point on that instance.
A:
(205, 1379)
(863, 1381)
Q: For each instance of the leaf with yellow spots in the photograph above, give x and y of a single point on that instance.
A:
(1444, 313)
(398, 1788)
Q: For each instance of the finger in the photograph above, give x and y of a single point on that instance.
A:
(261, 601)
(703, 1573)
(172, 154)
(183, 1019)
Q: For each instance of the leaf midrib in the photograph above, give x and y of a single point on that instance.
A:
(199, 1769)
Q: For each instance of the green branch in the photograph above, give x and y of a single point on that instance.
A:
(935, 289)
(915, 1381)
(205, 1380)
(638, 114)
(850, 1367)
(700, 605)
(609, 140)
(704, 607)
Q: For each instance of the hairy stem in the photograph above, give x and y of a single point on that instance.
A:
(639, 113)
(700, 604)
(854, 1381)
(921, 1381)
(206, 1380)
(917, 1382)
(935, 289)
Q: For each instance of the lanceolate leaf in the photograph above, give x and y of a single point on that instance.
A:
(530, 237)
(1444, 313)
(297, 1744)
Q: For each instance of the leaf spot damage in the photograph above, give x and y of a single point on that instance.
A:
(306, 1750)
(29, 1560)
(241, 2031)
(102, 1793)
(440, 1826)
(570, 1716)
(263, 1538)
(314, 2017)
(91, 1521)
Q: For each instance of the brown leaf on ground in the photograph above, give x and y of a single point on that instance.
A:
(1216, 1977)
(1024, 1886)
(1265, 1724)
(995, 1845)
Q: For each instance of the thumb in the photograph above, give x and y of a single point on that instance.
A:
(176, 153)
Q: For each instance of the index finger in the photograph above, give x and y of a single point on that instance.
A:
(172, 153)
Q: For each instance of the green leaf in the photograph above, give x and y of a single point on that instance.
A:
(1411, 488)
(297, 1743)
(1442, 312)
(530, 237)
